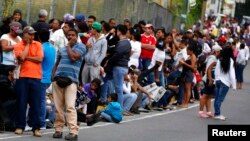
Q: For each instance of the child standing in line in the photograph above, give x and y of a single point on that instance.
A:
(112, 113)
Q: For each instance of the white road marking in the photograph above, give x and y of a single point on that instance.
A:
(51, 131)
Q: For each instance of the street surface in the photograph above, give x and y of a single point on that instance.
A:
(175, 125)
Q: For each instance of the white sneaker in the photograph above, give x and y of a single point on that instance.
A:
(27, 128)
(220, 117)
(43, 128)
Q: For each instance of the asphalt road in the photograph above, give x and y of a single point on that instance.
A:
(175, 125)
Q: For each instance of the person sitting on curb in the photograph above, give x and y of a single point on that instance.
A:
(112, 113)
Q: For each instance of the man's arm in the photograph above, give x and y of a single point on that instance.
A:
(148, 46)
(55, 67)
(24, 53)
(103, 53)
(74, 56)
(5, 46)
(34, 59)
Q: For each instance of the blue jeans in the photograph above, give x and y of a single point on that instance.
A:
(239, 72)
(172, 76)
(128, 101)
(145, 64)
(107, 117)
(145, 100)
(221, 92)
(28, 91)
(118, 77)
(165, 98)
(45, 86)
(107, 87)
(51, 115)
(162, 81)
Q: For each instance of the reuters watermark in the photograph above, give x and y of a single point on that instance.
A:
(228, 131)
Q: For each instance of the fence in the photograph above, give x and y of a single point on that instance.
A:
(134, 10)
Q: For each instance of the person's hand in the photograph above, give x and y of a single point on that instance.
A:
(72, 42)
(112, 31)
(150, 97)
(175, 88)
(89, 45)
(182, 62)
(26, 39)
(157, 81)
(86, 35)
(80, 88)
(210, 83)
(102, 72)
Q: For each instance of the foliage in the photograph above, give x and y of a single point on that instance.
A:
(7, 7)
(176, 7)
(194, 14)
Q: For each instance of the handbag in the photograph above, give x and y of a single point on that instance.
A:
(62, 81)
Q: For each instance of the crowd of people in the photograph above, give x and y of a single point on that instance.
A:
(81, 70)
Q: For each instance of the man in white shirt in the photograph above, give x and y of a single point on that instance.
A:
(59, 38)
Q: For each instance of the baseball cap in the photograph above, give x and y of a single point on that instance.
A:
(80, 17)
(97, 26)
(216, 47)
(29, 29)
(16, 27)
(43, 12)
(148, 25)
(222, 39)
(68, 17)
(231, 40)
(189, 31)
(126, 20)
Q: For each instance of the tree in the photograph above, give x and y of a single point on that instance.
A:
(194, 14)
(176, 7)
(7, 7)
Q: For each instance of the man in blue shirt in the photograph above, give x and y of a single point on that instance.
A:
(65, 74)
(49, 52)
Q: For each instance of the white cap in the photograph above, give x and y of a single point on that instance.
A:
(231, 40)
(216, 47)
(190, 31)
(43, 12)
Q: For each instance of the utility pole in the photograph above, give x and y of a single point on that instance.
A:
(88, 7)
(204, 5)
(52, 9)
(29, 3)
(1, 10)
(74, 7)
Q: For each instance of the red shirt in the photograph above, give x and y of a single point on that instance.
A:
(145, 39)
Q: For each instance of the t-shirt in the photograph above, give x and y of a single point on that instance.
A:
(182, 55)
(66, 66)
(159, 55)
(147, 39)
(134, 58)
(87, 89)
(28, 68)
(210, 60)
(9, 57)
(206, 48)
(60, 40)
(48, 61)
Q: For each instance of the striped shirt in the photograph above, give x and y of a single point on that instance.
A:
(67, 67)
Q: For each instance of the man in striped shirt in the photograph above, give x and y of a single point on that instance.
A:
(65, 76)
